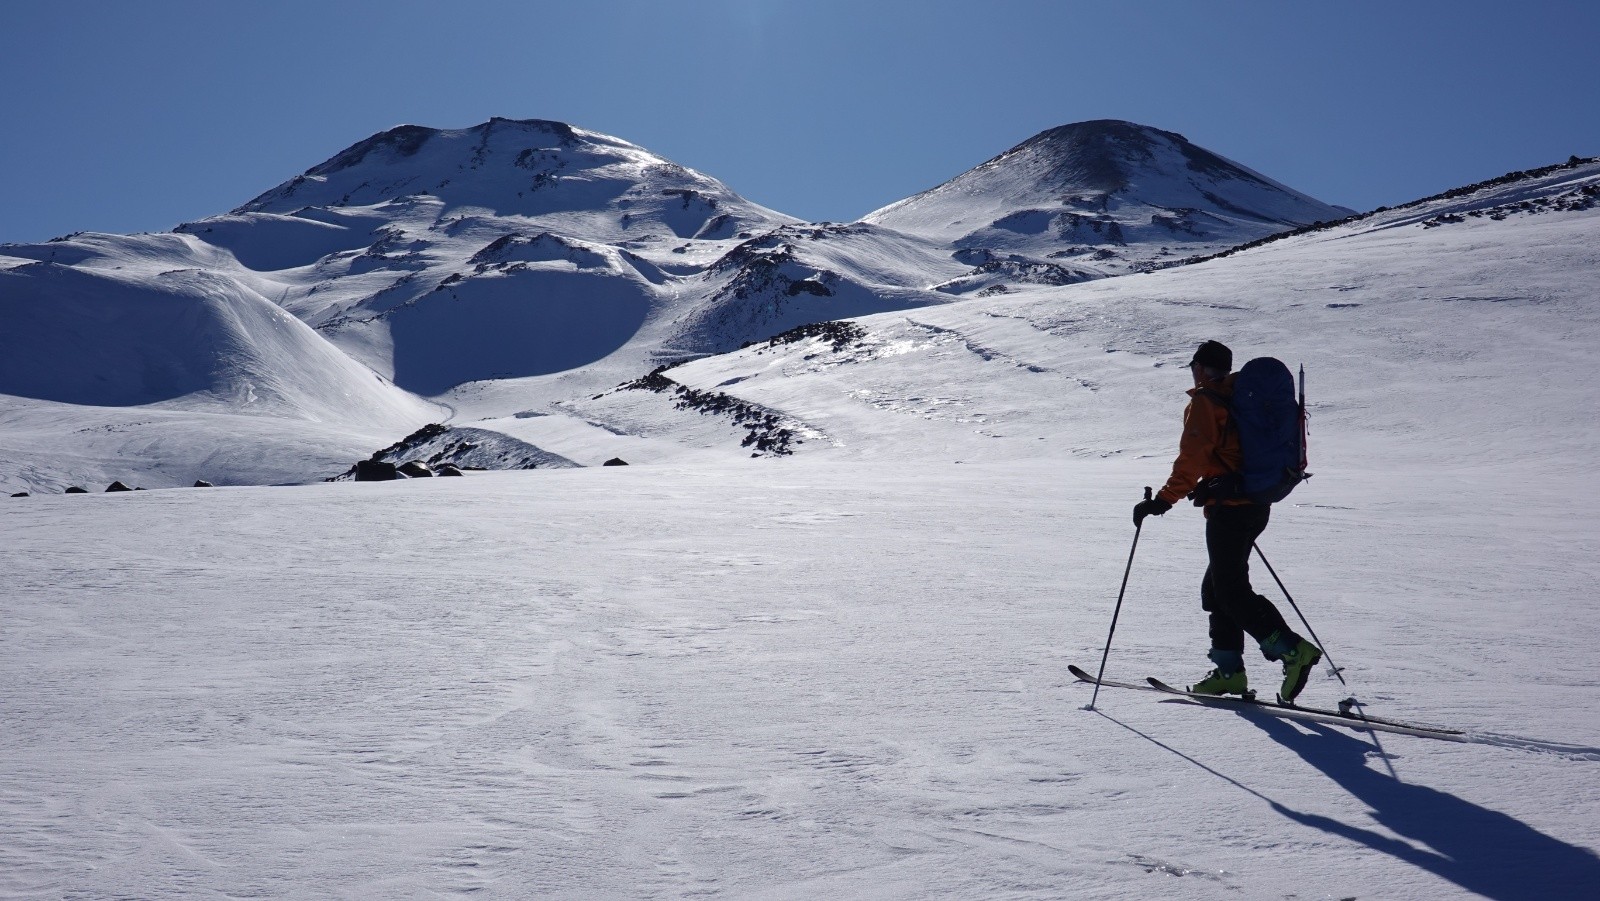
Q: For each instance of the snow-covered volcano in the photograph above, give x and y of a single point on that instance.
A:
(523, 266)
(844, 674)
(1426, 328)
(499, 268)
(595, 187)
(1094, 198)
(839, 674)
(507, 250)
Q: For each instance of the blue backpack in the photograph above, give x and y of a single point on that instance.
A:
(1271, 422)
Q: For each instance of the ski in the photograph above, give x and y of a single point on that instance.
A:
(1352, 720)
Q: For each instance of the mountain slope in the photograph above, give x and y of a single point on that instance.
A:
(161, 378)
(597, 187)
(1097, 198)
(186, 336)
(1418, 326)
(421, 259)
(840, 674)
(524, 266)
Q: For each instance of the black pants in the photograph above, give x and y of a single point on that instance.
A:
(1225, 593)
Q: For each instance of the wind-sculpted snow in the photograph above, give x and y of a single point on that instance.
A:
(185, 334)
(120, 335)
(267, 242)
(512, 324)
(780, 678)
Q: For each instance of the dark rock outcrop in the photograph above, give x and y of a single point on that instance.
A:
(432, 446)
(767, 431)
(376, 471)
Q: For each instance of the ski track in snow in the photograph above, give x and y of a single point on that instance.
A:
(753, 681)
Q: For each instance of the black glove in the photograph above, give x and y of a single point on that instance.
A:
(1153, 507)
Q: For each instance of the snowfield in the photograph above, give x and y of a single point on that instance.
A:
(813, 641)
(780, 679)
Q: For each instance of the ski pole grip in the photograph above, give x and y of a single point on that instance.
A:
(1147, 492)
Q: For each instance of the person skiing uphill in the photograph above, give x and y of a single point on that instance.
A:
(1208, 450)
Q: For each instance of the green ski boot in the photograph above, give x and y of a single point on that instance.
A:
(1297, 666)
(1218, 683)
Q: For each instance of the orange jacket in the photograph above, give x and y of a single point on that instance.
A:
(1208, 447)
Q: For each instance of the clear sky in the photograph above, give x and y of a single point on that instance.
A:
(138, 115)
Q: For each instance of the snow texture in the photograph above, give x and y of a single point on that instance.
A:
(835, 673)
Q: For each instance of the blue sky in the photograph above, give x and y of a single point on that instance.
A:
(135, 116)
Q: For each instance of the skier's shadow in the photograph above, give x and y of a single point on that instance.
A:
(1485, 852)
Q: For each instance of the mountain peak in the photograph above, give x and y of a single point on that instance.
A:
(1107, 196)
(406, 140)
(526, 168)
(1109, 154)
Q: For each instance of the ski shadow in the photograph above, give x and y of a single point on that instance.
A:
(1483, 851)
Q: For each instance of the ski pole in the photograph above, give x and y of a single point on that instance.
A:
(1296, 607)
(1118, 611)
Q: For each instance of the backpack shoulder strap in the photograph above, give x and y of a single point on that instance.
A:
(1227, 422)
(1216, 395)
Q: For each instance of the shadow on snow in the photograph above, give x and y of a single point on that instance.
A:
(1484, 851)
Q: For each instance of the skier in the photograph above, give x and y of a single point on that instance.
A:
(1209, 450)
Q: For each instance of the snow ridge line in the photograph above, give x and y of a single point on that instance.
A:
(1572, 162)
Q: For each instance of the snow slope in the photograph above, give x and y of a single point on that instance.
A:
(520, 266)
(1095, 198)
(134, 371)
(412, 263)
(842, 673)
(1456, 331)
(780, 679)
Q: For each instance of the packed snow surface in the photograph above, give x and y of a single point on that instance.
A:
(782, 679)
